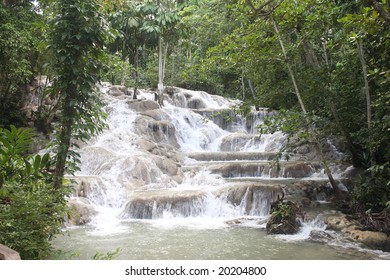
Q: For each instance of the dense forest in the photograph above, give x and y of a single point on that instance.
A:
(324, 65)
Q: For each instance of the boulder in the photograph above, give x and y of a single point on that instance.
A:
(81, 211)
(284, 219)
(117, 90)
(154, 204)
(196, 103)
(157, 131)
(371, 239)
(238, 141)
(157, 114)
(352, 230)
(320, 236)
(8, 254)
(339, 222)
(142, 105)
(167, 166)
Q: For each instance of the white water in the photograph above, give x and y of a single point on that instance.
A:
(115, 167)
(118, 172)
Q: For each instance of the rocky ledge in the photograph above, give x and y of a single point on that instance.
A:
(352, 230)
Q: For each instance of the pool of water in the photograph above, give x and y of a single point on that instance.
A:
(158, 240)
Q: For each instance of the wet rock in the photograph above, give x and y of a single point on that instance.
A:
(196, 103)
(158, 131)
(81, 211)
(284, 219)
(254, 199)
(153, 204)
(117, 90)
(339, 222)
(306, 202)
(144, 169)
(167, 166)
(320, 236)
(83, 185)
(142, 105)
(372, 239)
(157, 114)
(299, 169)
(230, 156)
(237, 142)
(352, 230)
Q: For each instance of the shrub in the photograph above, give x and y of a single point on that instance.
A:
(31, 212)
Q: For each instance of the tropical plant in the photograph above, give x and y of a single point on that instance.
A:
(31, 213)
(78, 34)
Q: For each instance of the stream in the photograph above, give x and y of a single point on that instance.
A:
(193, 180)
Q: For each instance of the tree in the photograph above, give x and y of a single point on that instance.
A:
(167, 18)
(77, 37)
(266, 11)
(16, 65)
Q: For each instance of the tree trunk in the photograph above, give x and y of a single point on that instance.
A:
(135, 73)
(165, 61)
(356, 162)
(311, 130)
(67, 121)
(368, 96)
(243, 87)
(253, 92)
(355, 158)
(160, 86)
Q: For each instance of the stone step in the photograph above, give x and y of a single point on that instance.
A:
(233, 169)
(246, 198)
(231, 156)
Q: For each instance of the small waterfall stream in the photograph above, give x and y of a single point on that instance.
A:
(162, 180)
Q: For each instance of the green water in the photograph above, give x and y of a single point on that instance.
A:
(148, 241)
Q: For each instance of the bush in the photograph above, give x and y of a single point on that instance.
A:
(31, 212)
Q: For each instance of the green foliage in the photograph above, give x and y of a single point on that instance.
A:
(16, 52)
(15, 164)
(282, 212)
(31, 213)
(116, 70)
(108, 256)
(78, 34)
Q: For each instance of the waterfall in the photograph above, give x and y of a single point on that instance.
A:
(192, 158)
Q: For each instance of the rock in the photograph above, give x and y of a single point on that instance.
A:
(117, 90)
(8, 254)
(142, 105)
(81, 211)
(196, 103)
(320, 236)
(157, 114)
(234, 222)
(284, 219)
(351, 230)
(145, 144)
(153, 204)
(167, 166)
(158, 131)
(306, 202)
(372, 239)
(338, 222)
(237, 141)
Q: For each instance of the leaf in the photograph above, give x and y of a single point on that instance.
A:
(28, 167)
(37, 163)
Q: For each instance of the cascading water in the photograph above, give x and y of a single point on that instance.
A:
(128, 177)
(181, 168)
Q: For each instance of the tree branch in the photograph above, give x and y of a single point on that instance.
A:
(261, 10)
(381, 10)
